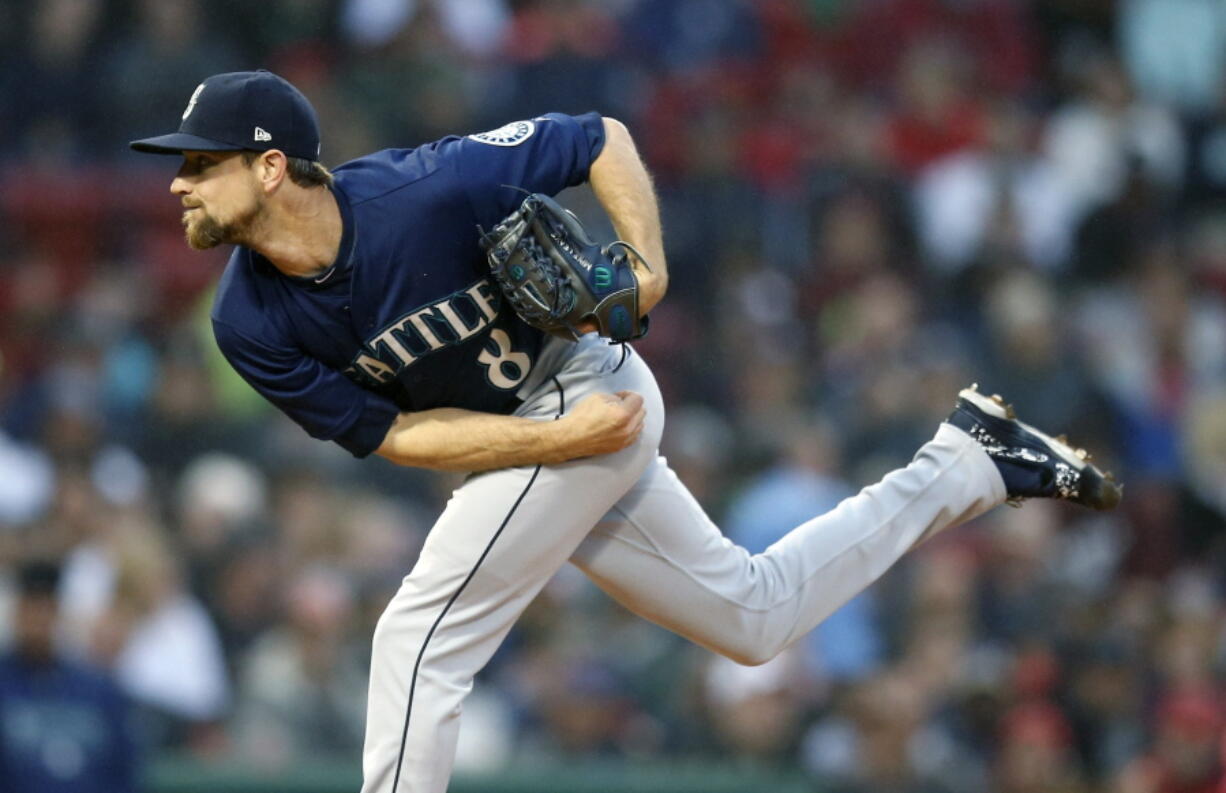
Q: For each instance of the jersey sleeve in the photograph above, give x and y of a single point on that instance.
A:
(546, 155)
(325, 403)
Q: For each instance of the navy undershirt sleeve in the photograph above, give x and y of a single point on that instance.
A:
(328, 405)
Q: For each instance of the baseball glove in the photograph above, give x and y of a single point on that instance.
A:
(556, 278)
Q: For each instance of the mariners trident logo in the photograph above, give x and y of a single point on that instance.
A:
(511, 134)
(191, 103)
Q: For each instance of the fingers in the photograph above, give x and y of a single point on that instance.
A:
(633, 404)
(614, 421)
(631, 400)
(637, 428)
(636, 411)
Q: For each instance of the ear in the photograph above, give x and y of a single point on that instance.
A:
(270, 169)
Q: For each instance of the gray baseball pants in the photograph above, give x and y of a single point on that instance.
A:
(628, 522)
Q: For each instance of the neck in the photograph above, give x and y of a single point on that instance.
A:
(300, 234)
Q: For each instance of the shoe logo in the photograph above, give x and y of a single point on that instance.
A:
(262, 135)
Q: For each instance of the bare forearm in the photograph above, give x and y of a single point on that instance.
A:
(451, 439)
(623, 187)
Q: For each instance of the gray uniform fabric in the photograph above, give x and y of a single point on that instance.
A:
(629, 523)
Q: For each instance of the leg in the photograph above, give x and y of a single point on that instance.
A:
(501, 537)
(659, 555)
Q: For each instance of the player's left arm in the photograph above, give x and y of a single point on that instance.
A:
(623, 187)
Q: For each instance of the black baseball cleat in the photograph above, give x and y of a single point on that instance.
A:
(1033, 464)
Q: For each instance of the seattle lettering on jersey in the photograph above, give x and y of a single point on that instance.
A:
(447, 322)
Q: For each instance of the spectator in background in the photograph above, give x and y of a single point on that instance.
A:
(1026, 333)
(220, 496)
(879, 739)
(27, 482)
(1096, 139)
(1016, 600)
(64, 726)
(302, 687)
(1112, 237)
(665, 33)
(1036, 754)
(1207, 156)
(1105, 702)
(415, 89)
(1175, 51)
(994, 36)
(161, 642)
(1153, 344)
(586, 711)
(1204, 428)
(757, 713)
(1185, 757)
(1000, 197)
(937, 113)
(55, 82)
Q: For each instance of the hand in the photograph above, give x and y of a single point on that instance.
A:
(602, 424)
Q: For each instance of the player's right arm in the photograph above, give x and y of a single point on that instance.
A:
(330, 406)
(451, 439)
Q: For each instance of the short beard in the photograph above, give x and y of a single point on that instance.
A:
(206, 232)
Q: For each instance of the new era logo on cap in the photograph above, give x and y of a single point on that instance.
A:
(255, 111)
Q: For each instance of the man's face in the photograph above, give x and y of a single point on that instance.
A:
(221, 198)
(34, 626)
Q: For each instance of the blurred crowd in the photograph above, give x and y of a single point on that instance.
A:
(868, 204)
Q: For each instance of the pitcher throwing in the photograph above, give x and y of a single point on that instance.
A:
(362, 303)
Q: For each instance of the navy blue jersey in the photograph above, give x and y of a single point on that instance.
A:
(64, 728)
(407, 318)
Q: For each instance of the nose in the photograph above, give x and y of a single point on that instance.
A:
(179, 185)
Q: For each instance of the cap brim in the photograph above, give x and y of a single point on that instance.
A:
(179, 142)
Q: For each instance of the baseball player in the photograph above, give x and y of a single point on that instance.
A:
(363, 304)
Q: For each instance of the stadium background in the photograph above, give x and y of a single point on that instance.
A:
(867, 205)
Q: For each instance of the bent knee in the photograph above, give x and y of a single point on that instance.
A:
(398, 625)
(750, 655)
(383, 634)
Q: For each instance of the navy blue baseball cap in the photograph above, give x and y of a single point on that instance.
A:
(235, 111)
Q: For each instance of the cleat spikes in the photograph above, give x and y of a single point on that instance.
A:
(1032, 464)
(1005, 406)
